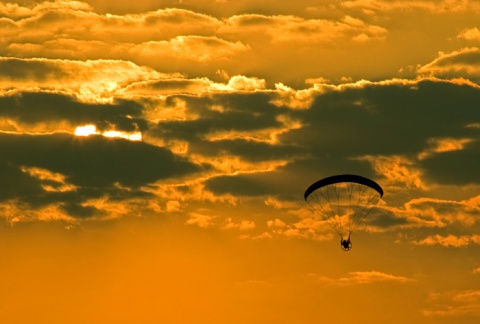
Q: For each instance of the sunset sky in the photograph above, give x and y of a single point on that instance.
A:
(154, 156)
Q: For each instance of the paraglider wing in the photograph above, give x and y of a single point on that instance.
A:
(343, 201)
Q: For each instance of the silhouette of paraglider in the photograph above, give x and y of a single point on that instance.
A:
(343, 201)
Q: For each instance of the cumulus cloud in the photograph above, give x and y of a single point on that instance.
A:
(470, 34)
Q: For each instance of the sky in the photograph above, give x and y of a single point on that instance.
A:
(155, 154)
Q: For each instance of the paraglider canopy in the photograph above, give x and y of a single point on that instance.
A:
(343, 201)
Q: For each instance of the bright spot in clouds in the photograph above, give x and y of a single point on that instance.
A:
(137, 136)
(86, 130)
(92, 130)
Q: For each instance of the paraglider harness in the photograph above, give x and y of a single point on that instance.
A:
(346, 245)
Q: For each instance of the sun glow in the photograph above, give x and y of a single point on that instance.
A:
(86, 130)
(137, 136)
(92, 130)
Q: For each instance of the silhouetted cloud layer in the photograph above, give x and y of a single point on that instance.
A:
(62, 169)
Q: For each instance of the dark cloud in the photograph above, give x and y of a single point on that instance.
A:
(78, 211)
(241, 112)
(33, 70)
(463, 63)
(83, 159)
(44, 107)
(290, 181)
(455, 167)
(95, 165)
(16, 183)
(251, 151)
(383, 219)
(246, 185)
(468, 58)
(386, 119)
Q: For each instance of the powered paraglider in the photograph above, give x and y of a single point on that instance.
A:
(343, 201)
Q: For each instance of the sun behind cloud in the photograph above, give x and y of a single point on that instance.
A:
(88, 130)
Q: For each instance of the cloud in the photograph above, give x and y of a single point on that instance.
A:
(383, 130)
(385, 219)
(425, 213)
(440, 145)
(242, 225)
(371, 111)
(463, 63)
(164, 38)
(460, 164)
(190, 48)
(396, 169)
(362, 278)
(199, 49)
(44, 111)
(17, 11)
(97, 81)
(416, 213)
(245, 123)
(243, 83)
(172, 39)
(200, 220)
(276, 223)
(256, 141)
(463, 211)
(76, 20)
(470, 34)
(450, 240)
(292, 29)
(454, 304)
(62, 171)
(81, 159)
(437, 6)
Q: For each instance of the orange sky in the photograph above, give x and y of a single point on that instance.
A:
(155, 155)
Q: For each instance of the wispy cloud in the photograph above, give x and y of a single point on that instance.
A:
(463, 63)
(292, 29)
(454, 304)
(441, 6)
(200, 219)
(450, 240)
(362, 278)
